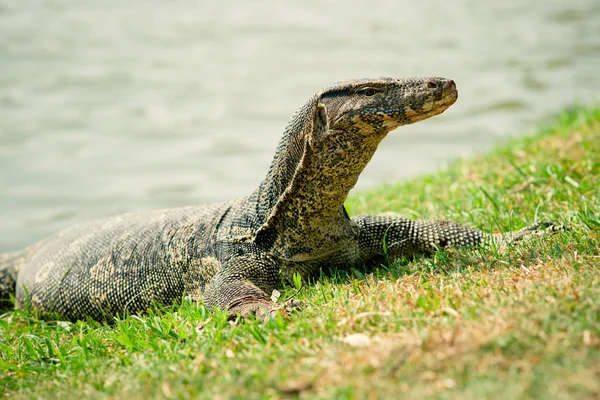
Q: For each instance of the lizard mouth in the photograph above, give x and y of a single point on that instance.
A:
(449, 97)
(449, 91)
(434, 105)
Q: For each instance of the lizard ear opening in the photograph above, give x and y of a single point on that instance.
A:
(321, 119)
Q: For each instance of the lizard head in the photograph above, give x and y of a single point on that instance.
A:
(330, 140)
(373, 107)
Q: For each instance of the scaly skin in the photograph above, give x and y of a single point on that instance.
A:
(232, 255)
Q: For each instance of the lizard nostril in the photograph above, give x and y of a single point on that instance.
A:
(431, 84)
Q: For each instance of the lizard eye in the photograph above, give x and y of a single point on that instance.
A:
(368, 91)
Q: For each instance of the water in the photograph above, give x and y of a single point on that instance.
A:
(111, 106)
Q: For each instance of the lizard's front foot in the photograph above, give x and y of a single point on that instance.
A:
(264, 310)
(292, 305)
(501, 240)
(543, 227)
(536, 229)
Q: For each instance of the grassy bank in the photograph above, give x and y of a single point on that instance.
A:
(460, 324)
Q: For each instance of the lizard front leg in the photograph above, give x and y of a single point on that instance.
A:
(242, 286)
(396, 237)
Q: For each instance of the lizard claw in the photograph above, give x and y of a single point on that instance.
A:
(293, 305)
(285, 309)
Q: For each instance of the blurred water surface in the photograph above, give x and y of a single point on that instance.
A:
(112, 106)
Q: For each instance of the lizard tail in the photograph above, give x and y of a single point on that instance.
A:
(10, 264)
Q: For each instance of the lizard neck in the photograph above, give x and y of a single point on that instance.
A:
(288, 158)
(302, 197)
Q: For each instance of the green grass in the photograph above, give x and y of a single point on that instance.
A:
(460, 324)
